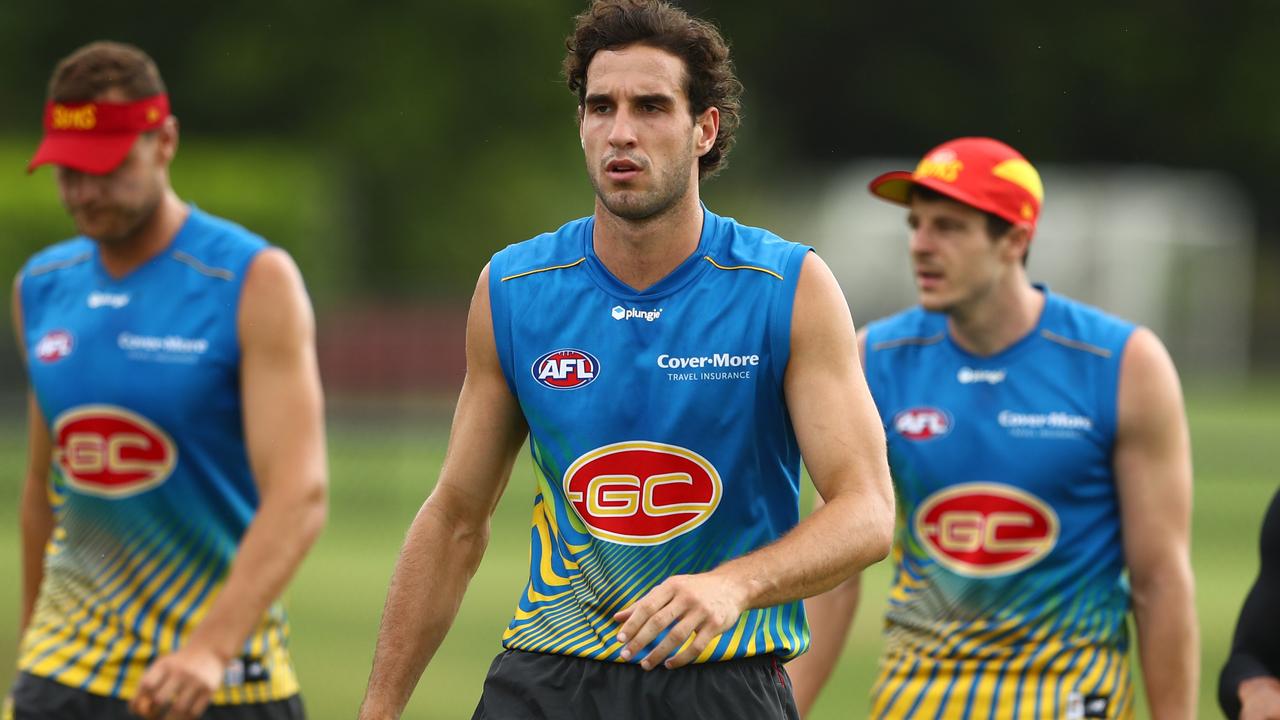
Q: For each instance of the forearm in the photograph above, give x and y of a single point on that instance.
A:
(439, 557)
(283, 529)
(1168, 643)
(830, 616)
(37, 528)
(844, 536)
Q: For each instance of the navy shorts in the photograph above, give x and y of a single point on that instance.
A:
(36, 698)
(537, 686)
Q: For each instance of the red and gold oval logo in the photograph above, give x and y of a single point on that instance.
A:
(111, 452)
(642, 493)
(55, 345)
(986, 529)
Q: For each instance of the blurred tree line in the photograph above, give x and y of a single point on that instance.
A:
(410, 140)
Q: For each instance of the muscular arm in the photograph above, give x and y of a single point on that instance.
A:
(37, 516)
(830, 617)
(843, 446)
(284, 436)
(448, 537)
(1153, 477)
(1248, 687)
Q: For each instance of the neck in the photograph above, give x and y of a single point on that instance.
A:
(642, 252)
(998, 320)
(152, 237)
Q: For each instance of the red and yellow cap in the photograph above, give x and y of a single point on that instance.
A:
(94, 137)
(979, 172)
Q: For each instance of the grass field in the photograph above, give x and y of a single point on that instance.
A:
(381, 471)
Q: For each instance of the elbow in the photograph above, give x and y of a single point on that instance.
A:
(312, 508)
(881, 541)
(882, 521)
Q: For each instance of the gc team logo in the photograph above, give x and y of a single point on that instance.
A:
(922, 423)
(642, 493)
(986, 529)
(111, 452)
(55, 345)
(566, 369)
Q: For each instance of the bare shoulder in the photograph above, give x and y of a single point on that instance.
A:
(274, 306)
(1149, 385)
(820, 310)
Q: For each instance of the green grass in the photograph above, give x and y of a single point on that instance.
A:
(382, 471)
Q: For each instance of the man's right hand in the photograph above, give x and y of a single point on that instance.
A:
(1260, 699)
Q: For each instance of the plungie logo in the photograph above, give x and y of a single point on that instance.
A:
(986, 529)
(642, 493)
(111, 452)
(922, 423)
(566, 369)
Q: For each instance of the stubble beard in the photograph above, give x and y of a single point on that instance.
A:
(636, 205)
(124, 224)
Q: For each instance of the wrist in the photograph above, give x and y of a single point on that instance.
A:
(1257, 684)
(739, 587)
(222, 649)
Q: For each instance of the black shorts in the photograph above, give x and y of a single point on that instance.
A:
(36, 698)
(536, 686)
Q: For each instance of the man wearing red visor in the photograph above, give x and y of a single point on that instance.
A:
(1040, 454)
(176, 470)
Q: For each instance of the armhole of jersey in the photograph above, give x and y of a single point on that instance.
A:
(24, 297)
(784, 304)
(500, 316)
(240, 277)
(871, 366)
(1111, 389)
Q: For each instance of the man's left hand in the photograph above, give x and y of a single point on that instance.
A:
(179, 686)
(699, 606)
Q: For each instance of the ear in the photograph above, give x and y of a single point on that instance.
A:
(707, 127)
(582, 138)
(167, 137)
(1019, 241)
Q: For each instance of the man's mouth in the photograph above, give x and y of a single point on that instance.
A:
(621, 169)
(928, 279)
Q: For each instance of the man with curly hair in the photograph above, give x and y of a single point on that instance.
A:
(670, 367)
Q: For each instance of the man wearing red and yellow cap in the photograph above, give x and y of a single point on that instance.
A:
(176, 471)
(1040, 454)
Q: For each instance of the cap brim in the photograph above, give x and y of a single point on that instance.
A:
(96, 154)
(892, 186)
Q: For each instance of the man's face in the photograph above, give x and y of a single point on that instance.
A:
(956, 261)
(640, 140)
(111, 208)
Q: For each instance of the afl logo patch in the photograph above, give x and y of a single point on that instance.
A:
(111, 452)
(55, 345)
(566, 369)
(642, 493)
(922, 423)
(986, 529)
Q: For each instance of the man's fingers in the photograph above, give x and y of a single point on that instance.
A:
(702, 637)
(639, 612)
(184, 700)
(144, 702)
(659, 621)
(675, 638)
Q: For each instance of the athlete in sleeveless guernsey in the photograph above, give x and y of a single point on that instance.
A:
(176, 470)
(669, 367)
(1039, 451)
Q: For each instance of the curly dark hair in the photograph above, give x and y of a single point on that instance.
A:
(709, 76)
(101, 66)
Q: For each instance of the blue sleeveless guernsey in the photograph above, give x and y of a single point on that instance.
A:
(138, 380)
(659, 433)
(1008, 599)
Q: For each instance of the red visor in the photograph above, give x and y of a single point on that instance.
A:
(94, 137)
(979, 172)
